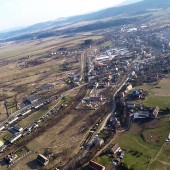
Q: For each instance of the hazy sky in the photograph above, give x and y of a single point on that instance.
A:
(14, 13)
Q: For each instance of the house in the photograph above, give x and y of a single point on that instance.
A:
(136, 95)
(15, 137)
(12, 120)
(1, 144)
(115, 149)
(98, 141)
(16, 128)
(2, 128)
(42, 159)
(128, 88)
(32, 99)
(37, 105)
(168, 139)
(95, 166)
(10, 158)
(25, 112)
(141, 115)
(130, 105)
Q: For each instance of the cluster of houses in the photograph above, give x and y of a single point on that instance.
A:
(117, 155)
(17, 132)
(106, 69)
(127, 100)
(73, 78)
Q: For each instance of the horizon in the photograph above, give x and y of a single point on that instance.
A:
(25, 13)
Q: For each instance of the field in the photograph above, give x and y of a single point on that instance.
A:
(27, 65)
(142, 144)
(159, 94)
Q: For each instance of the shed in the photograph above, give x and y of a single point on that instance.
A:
(115, 148)
(42, 159)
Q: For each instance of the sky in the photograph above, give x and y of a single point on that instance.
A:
(17, 13)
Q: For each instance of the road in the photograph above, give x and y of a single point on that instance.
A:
(84, 56)
(103, 124)
(82, 153)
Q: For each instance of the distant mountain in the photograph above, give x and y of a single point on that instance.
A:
(127, 2)
(138, 6)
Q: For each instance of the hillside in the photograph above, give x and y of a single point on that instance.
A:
(125, 10)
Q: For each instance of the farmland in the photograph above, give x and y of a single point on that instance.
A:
(159, 94)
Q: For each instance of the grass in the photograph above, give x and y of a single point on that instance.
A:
(104, 134)
(162, 102)
(103, 160)
(106, 44)
(159, 94)
(12, 109)
(139, 150)
(27, 121)
(5, 136)
(22, 151)
(137, 154)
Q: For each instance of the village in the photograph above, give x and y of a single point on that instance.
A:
(113, 77)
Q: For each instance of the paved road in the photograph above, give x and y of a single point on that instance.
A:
(83, 152)
(103, 124)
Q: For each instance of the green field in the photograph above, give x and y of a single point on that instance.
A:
(158, 94)
(103, 160)
(143, 144)
(162, 102)
(27, 121)
(22, 151)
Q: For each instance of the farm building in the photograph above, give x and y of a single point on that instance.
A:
(115, 149)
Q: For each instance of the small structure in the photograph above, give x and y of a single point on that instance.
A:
(42, 159)
(2, 128)
(1, 144)
(10, 158)
(122, 94)
(95, 166)
(115, 149)
(16, 128)
(155, 112)
(25, 112)
(168, 138)
(141, 115)
(32, 99)
(136, 95)
(128, 88)
(15, 137)
(12, 120)
(98, 141)
(130, 105)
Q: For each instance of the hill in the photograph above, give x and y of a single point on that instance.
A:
(134, 8)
